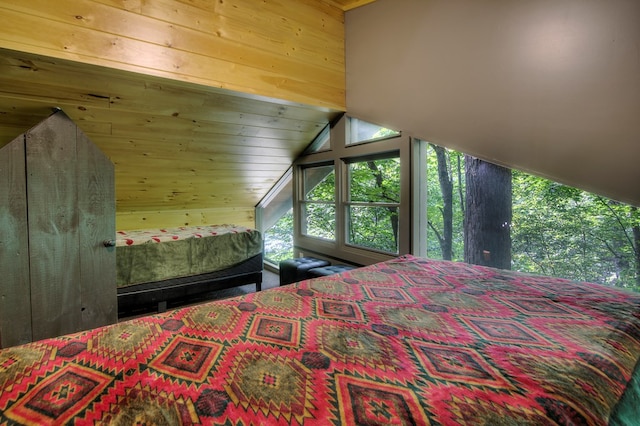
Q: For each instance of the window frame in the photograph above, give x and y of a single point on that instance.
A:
(341, 154)
(304, 202)
(268, 210)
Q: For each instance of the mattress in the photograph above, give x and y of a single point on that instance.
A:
(152, 255)
(408, 341)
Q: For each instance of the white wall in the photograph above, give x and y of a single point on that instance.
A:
(547, 86)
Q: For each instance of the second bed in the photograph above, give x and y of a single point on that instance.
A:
(162, 267)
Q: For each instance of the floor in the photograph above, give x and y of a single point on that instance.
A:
(270, 279)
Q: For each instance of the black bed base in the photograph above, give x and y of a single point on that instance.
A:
(157, 296)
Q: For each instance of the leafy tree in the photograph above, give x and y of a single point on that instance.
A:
(446, 189)
(445, 205)
(563, 231)
(372, 184)
(278, 240)
(555, 229)
(546, 227)
(320, 205)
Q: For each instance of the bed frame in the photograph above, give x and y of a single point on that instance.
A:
(161, 295)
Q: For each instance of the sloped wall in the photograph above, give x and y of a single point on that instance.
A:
(549, 87)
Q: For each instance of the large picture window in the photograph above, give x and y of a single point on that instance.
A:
(485, 214)
(375, 194)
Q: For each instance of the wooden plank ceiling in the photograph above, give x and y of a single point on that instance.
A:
(201, 105)
(175, 145)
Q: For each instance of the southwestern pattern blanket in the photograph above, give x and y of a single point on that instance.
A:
(408, 341)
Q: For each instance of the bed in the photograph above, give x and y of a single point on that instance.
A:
(156, 268)
(407, 341)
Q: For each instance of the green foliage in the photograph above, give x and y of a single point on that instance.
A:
(375, 186)
(435, 204)
(556, 230)
(320, 183)
(384, 133)
(278, 240)
(376, 181)
(321, 220)
(373, 213)
(372, 227)
(319, 207)
(562, 231)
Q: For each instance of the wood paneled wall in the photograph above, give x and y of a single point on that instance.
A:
(157, 219)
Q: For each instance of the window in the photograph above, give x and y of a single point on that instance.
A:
(361, 131)
(547, 228)
(353, 201)
(319, 201)
(274, 218)
(374, 203)
(278, 240)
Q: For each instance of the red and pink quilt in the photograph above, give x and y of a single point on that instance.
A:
(409, 342)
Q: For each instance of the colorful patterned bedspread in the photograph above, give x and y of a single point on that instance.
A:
(409, 341)
(162, 235)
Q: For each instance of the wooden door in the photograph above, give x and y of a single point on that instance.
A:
(71, 211)
(97, 223)
(54, 252)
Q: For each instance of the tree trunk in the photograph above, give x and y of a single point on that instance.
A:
(392, 210)
(487, 237)
(446, 187)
